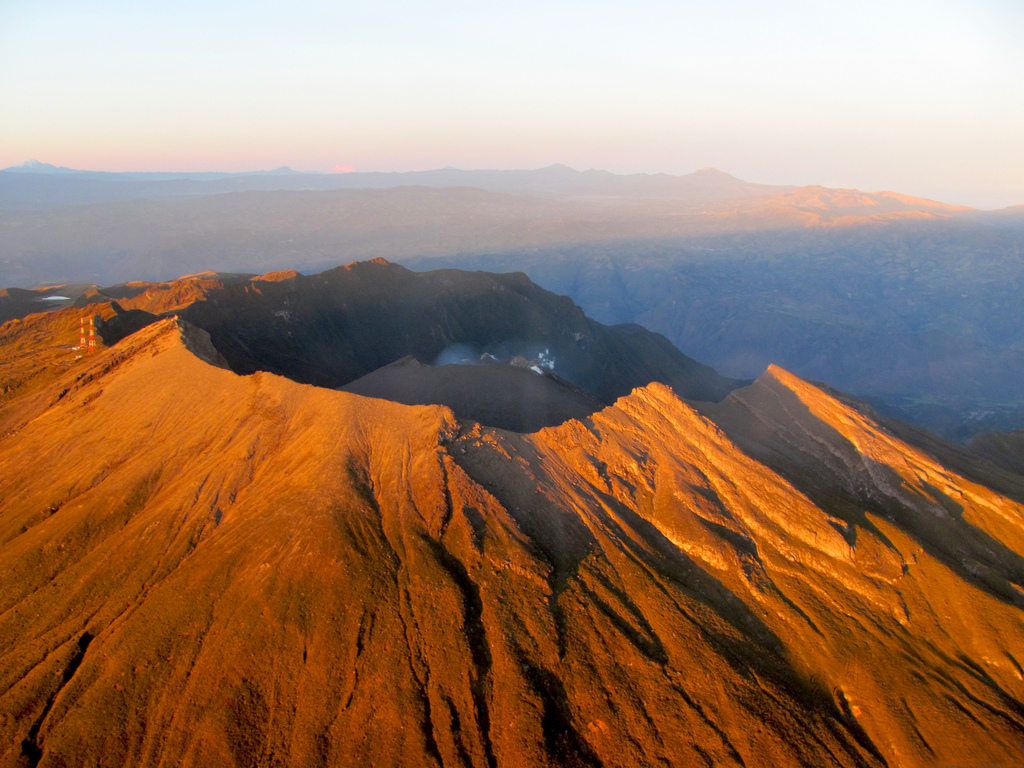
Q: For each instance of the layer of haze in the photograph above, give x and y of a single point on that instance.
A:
(923, 97)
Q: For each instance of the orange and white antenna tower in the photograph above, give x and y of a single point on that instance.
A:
(81, 340)
(92, 334)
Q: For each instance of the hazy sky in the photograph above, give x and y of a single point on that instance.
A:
(921, 96)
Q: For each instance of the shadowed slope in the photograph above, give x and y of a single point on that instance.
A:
(1004, 449)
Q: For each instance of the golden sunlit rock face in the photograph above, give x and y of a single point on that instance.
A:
(204, 569)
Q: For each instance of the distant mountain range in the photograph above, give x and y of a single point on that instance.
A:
(35, 185)
(159, 229)
(211, 556)
(36, 167)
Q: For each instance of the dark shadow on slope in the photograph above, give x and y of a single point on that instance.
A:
(561, 739)
(1003, 449)
(31, 749)
(124, 323)
(476, 639)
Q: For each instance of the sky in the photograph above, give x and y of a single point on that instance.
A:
(924, 98)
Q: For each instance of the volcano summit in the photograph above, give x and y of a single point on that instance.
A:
(212, 555)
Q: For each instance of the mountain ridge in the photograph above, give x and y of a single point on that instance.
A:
(42, 185)
(344, 327)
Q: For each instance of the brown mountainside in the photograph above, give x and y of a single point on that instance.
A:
(201, 568)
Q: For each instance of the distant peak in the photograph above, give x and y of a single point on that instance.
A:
(378, 261)
(712, 171)
(34, 166)
(560, 167)
(277, 277)
(777, 372)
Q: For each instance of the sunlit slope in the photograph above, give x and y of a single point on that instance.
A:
(858, 471)
(198, 568)
(922, 656)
